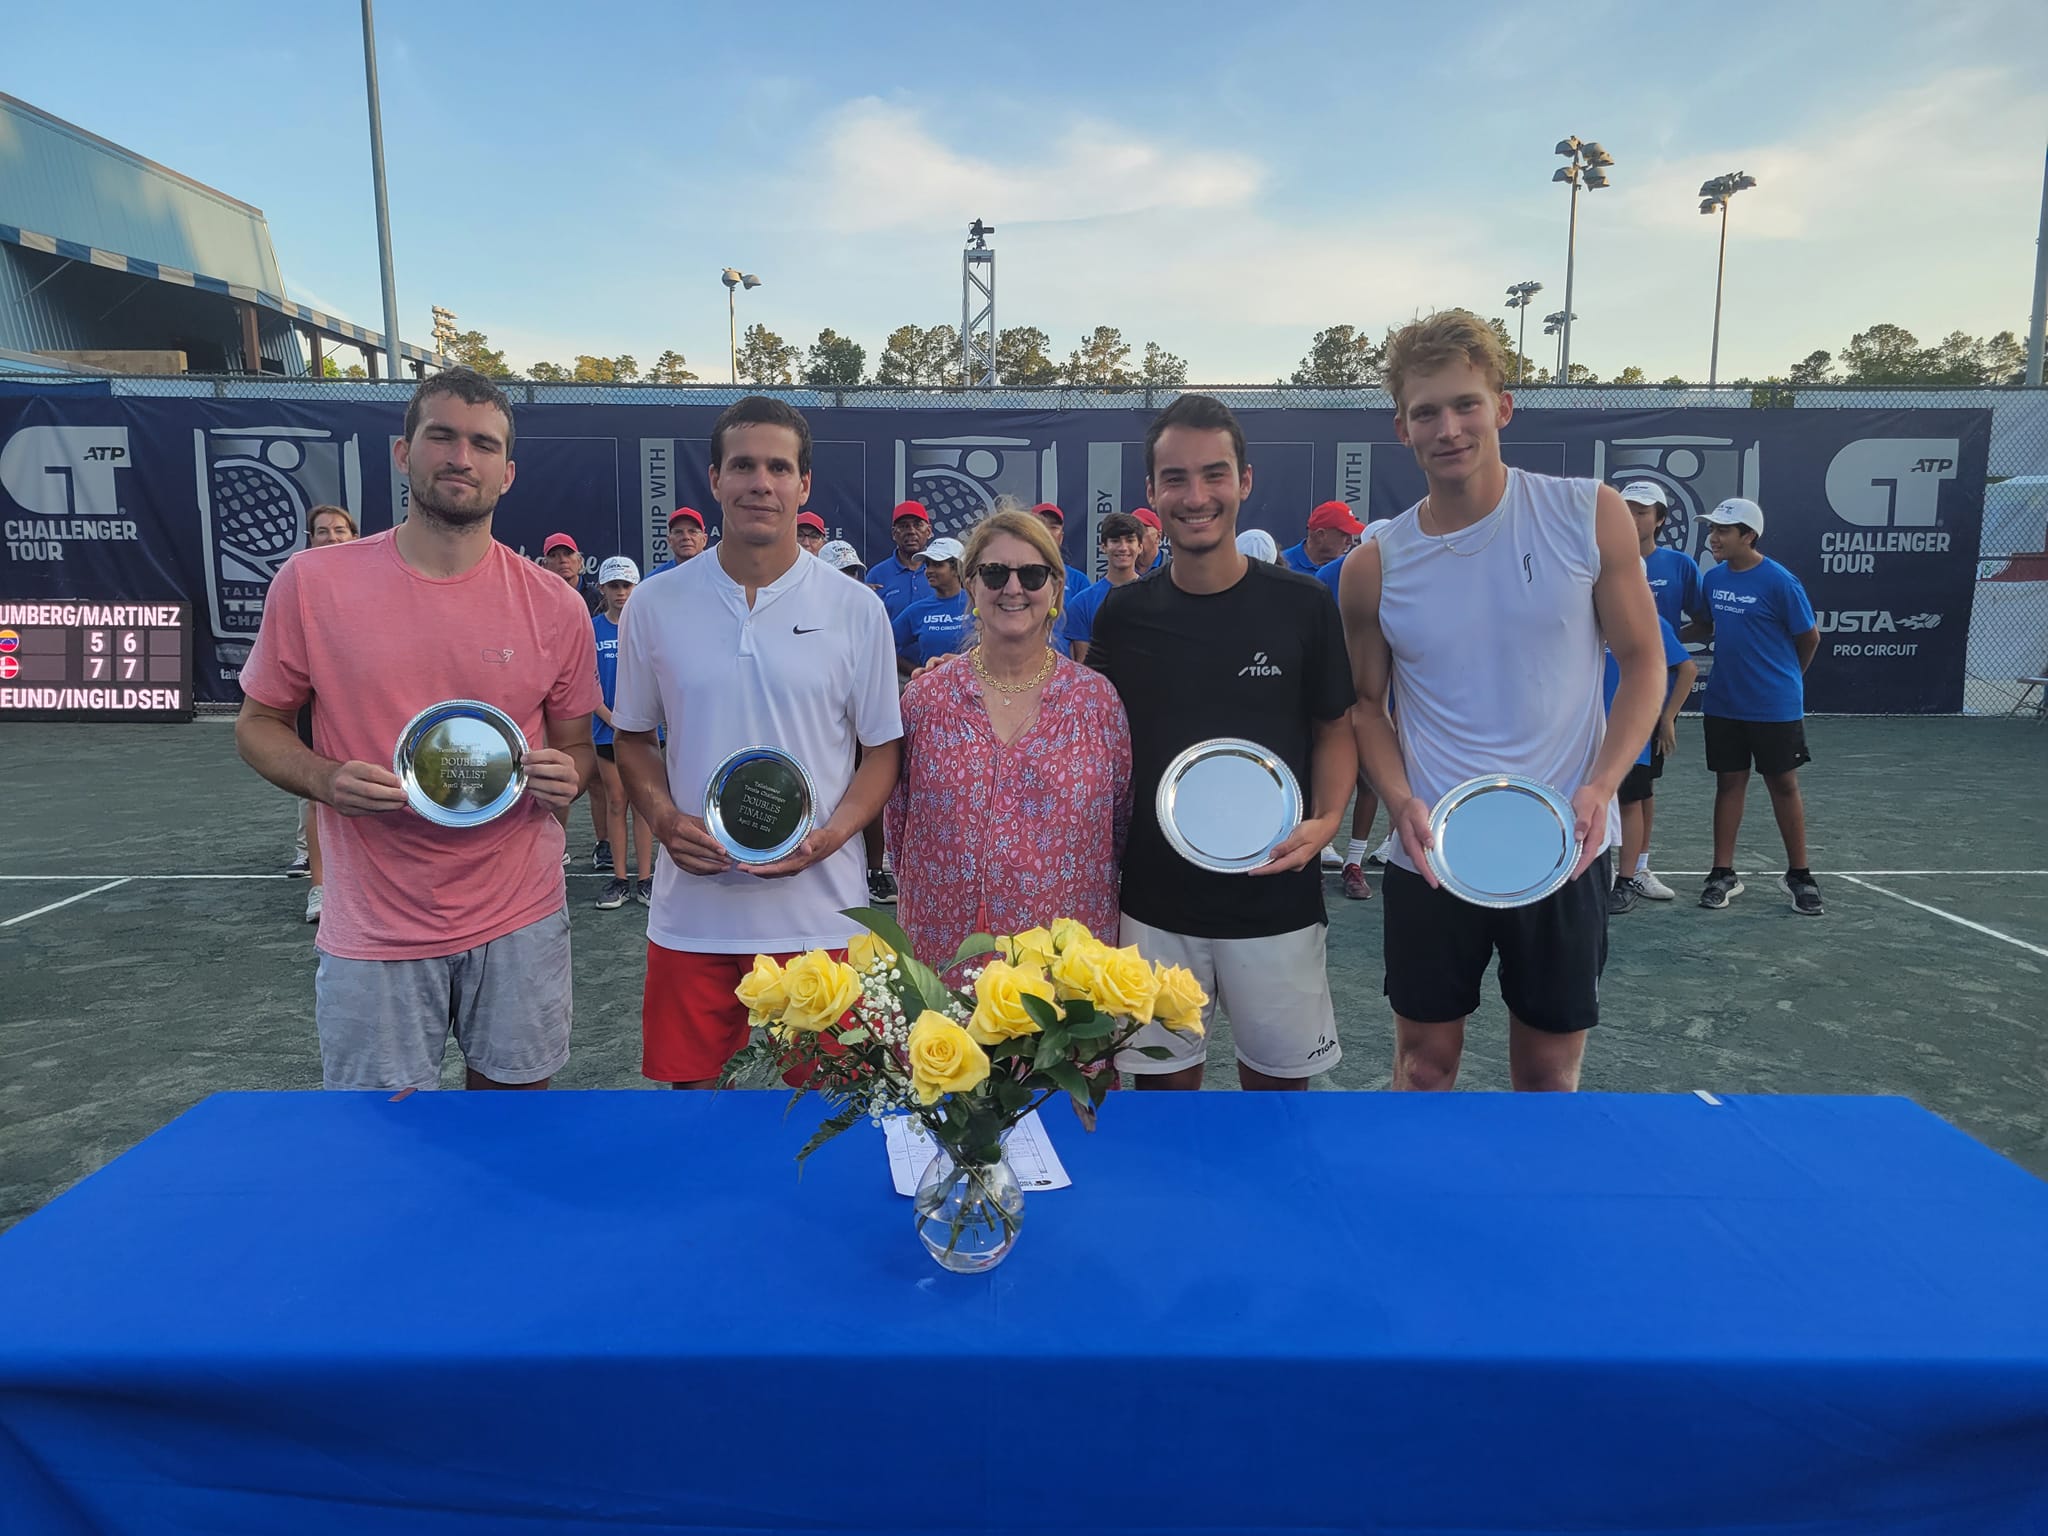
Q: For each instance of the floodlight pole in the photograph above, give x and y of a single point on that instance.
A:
(2034, 333)
(377, 180)
(1720, 272)
(1571, 247)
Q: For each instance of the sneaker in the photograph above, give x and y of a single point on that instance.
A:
(1722, 886)
(1376, 856)
(1354, 883)
(566, 856)
(1332, 860)
(1623, 898)
(313, 905)
(1651, 888)
(613, 896)
(601, 857)
(643, 892)
(881, 888)
(300, 868)
(1804, 891)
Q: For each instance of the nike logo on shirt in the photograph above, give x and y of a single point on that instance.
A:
(798, 629)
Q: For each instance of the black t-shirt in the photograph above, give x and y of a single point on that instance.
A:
(1264, 660)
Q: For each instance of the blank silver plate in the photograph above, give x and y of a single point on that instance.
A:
(1226, 804)
(1501, 840)
(462, 762)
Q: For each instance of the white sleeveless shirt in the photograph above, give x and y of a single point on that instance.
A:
(1497, 659)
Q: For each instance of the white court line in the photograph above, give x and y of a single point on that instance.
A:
(53, 906)
(1961, 922)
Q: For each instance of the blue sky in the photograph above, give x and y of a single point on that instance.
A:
(1223, 179)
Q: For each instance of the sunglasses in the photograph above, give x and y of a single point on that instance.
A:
(996, 577)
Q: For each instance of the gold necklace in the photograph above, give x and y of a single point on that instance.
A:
(981, 671)
(1445, 539)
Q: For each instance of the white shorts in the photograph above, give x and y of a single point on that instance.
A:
(1276, 991)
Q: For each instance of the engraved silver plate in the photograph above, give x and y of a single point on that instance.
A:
(462, 762)
(759, 804)
(1226, 804)
(1501, 840)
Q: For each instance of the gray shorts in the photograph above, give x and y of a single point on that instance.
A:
(385, 1023)
(1276, 991)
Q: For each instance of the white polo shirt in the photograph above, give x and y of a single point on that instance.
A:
(810, 669)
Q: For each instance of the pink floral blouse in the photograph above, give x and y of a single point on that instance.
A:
(988, 838)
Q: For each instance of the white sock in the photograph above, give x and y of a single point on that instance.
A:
(1354, 851)
(1643, 863)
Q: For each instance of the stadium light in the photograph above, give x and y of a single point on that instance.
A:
(734, 280)
(1714, 196)
(1586, 165)
(1521, 296)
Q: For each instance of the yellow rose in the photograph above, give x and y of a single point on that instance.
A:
(1124, 984)
(1073, 974)
(999, 993)
(765, 990)
(1181, 999)
(943, 1058)
(865, 949)
(1066, 933)
(1033, 946)
(821, 989)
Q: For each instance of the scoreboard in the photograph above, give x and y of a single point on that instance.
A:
(95, 661)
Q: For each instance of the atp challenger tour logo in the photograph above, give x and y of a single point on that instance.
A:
(1890, 489)
(67, 479)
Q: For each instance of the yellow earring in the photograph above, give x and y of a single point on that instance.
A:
(1055, 613)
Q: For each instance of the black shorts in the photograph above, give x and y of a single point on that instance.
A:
(1551, 954)
(1641, 782)
(306, 724)
(1776, 746)
(606, 751)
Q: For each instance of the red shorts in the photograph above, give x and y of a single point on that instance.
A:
(690, 1023)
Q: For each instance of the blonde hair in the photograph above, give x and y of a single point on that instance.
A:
(1448, 336)
(314, 514)
(1010, 517)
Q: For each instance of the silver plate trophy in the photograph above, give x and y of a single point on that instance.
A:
(462, 762)
(759, 804)
(1502, 841)
(1226, 804)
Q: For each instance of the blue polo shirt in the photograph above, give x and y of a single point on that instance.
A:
(1675, 584)
(931, 627)
(1080, 615)
(900, 584)
(1757, 615)
(1295, 558)
(1675, 655)
(607, 673)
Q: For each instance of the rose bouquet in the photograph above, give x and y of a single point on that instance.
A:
(1035, 1014)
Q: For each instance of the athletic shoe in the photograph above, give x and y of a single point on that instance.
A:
(1623, 897)
(643, 892)
(1374, 856)
(601, 857)
(313, 905)
(1354, 883)
(881, 888)
(1720, 889)
(300, 868)
(1805, 893)
(566, 857)
(1332, 860)
(1651, 888)
(613, 896)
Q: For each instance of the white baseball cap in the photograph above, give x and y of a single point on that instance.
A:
(943, 549)
(1738, 509)
(840, 555)
(1645, 493)
(618, 568)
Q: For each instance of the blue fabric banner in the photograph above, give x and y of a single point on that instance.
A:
(1876, 511)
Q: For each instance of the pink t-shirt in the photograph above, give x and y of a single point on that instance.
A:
(373, 642)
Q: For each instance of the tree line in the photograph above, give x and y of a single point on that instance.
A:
(1339, 357)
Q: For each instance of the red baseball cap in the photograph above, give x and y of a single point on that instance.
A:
(690, 512)
(1334, 514)
(1148, 517)
(1045, 507)
(558, 541)
(910, 509)
(810, 520)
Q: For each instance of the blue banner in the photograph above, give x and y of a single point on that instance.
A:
(126, 499)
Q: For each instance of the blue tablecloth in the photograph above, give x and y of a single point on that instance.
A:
(623, 1312)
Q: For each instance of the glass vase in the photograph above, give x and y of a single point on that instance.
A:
(968, 1212)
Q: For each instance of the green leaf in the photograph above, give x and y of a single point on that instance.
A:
(973, 945)
(1091, 1025)
(1043, 1013)
(1052, 1047)
(1156, 1052)
(845, 1120)
(1070, 1078)
(1011, 1094)
(881, 925)
(855, 1035)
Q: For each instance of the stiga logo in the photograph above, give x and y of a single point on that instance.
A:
(65, 478)
(1260, 667)
(1890, 486)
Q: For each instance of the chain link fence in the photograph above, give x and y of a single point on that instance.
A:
(2009, 621)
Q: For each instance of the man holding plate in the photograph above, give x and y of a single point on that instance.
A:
(1479, 614)
(768, 669)
(437, 655)
(1234, 678)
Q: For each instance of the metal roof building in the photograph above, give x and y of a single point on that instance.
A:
(104, 251)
